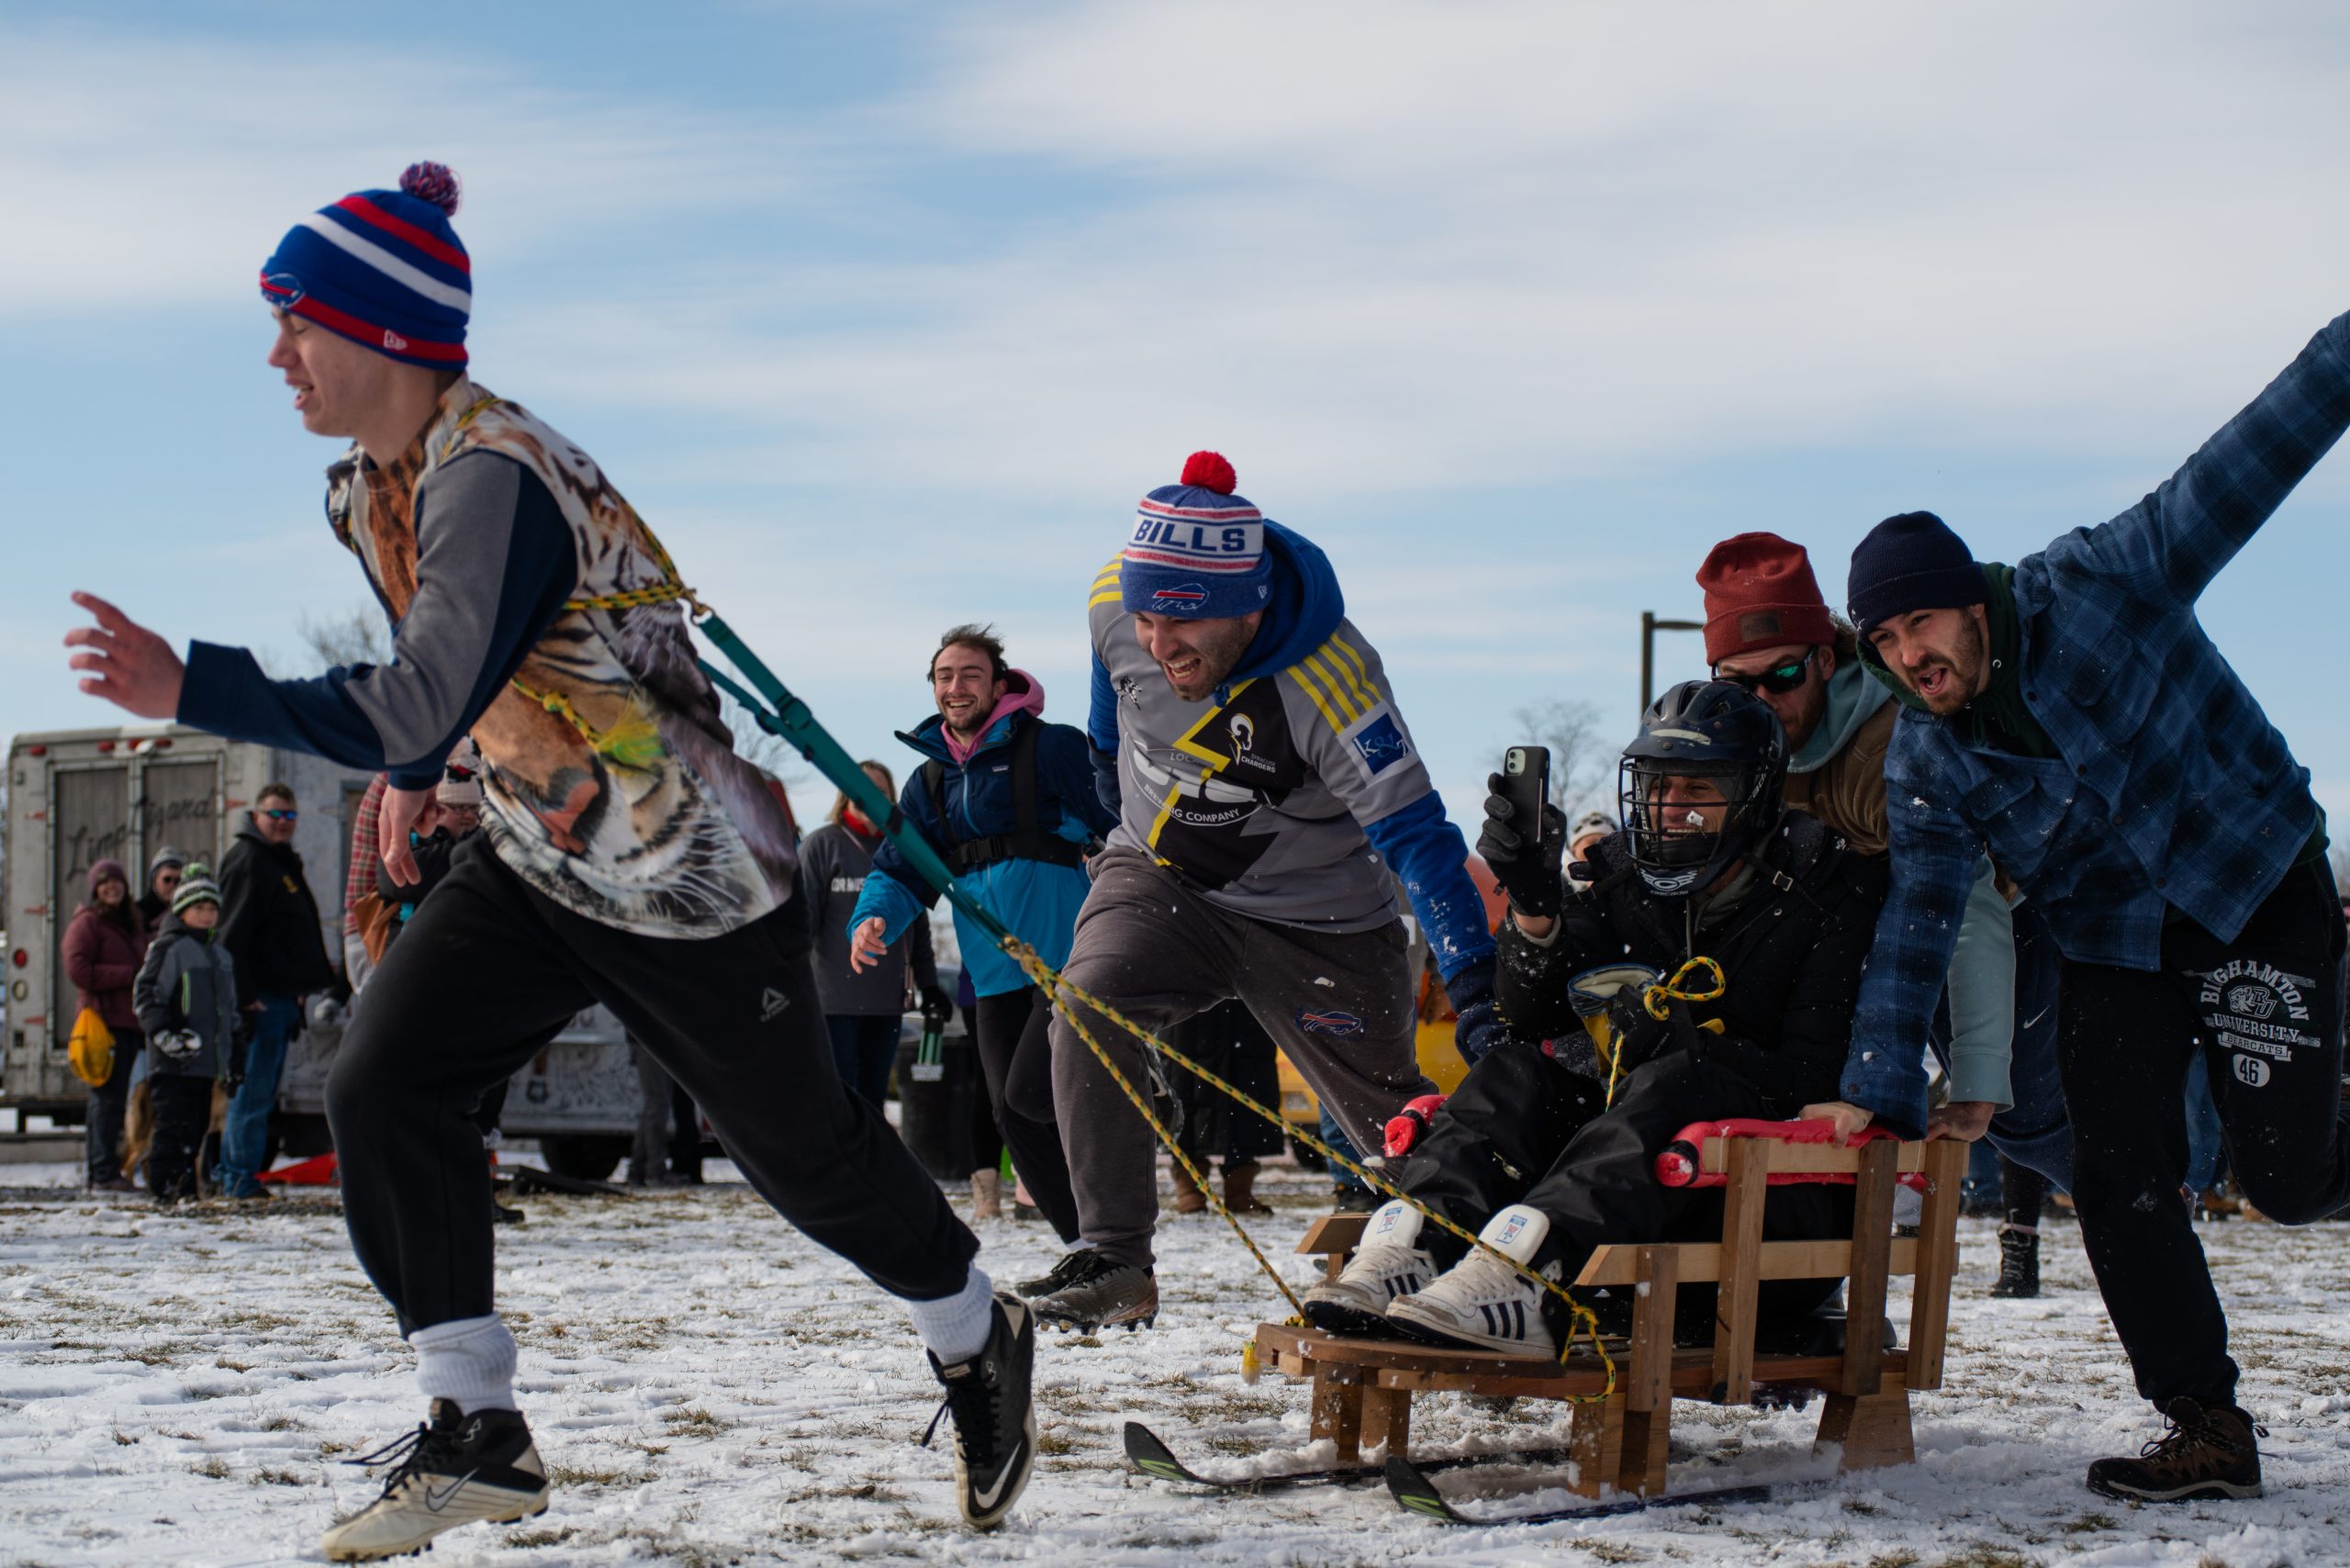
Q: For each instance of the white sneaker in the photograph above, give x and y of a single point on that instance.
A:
(1388, 1263)
(1481, 1301)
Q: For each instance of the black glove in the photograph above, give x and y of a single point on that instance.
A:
(1525, 863)
(1640, 1039)
(1105, 781)
(1480, 1029)
(937, 1002)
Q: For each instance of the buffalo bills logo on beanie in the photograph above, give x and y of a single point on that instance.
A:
(382, 268)
(1198, 550)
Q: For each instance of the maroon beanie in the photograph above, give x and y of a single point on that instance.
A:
(1760, 593)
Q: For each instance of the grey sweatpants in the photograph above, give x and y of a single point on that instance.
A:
(1338, 1004)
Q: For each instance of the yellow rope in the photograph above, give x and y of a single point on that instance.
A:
(1054, 985)
(1654, 998)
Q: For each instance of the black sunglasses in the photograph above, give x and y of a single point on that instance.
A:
(1780, 679)
(458, 773)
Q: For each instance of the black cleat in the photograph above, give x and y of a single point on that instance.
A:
(451, 1471)
(1100, 1294)
(2207, 1454)
(995, 1423)
(1064, 1273)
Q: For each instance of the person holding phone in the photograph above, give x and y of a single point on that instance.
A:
(1547, 1148)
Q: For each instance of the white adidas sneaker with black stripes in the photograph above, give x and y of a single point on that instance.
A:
(1389, 1262)
(1481, 1300)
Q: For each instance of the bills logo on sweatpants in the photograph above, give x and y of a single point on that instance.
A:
(1328, 1021)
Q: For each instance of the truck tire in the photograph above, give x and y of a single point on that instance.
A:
(584, 1156)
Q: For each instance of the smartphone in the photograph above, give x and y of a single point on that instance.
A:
(1525, 785)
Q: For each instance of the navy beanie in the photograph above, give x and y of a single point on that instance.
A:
(384, 269)
(1911, 562)
(1197, 551)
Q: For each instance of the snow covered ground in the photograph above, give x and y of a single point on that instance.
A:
(709, 1388)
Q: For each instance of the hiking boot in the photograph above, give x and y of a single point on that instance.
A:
(1189, 1199)
(1481, 1300)
(1240, 1188)
(2206, 1454)
(451, 1471)
(995, 1423)
(1100, 1294)
(1354, 1200)
(2019, 1261)
(1387, 1264)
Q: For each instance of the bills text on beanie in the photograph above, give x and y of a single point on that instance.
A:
(1197, 550)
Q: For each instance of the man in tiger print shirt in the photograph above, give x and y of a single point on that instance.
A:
(631, 859)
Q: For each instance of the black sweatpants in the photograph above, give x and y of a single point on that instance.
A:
(486, 962)
(183, 1106)
(2266, 1012)
(102, 1120)
(1015, 1049)
(1523, 1129)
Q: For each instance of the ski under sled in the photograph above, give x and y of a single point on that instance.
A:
(1147, 1453)
(1409, 1485)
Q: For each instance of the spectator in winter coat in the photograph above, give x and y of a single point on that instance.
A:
(862, 1007)
(1549, 1149)
(163, 870)
(2070, 716)
(270, 925)
(1008, 802)
(103, 944)
(187, 1002)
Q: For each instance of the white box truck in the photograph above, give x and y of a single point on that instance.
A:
(76, 797)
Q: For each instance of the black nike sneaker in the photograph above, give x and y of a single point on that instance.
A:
(451, 1471)
(995, 1424)
(1070, 1267)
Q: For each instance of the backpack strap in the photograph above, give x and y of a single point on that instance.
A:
(1028, 840)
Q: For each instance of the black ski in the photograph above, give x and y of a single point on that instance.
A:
(1154, 1458)
(1409, 1485)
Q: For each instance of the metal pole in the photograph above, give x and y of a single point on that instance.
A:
(1649, 626)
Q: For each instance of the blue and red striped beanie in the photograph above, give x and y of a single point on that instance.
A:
(382, 268)
(1197, 551)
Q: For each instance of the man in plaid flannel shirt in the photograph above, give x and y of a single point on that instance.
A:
(2068, 716)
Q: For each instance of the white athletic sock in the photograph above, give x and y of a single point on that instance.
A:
(470, 1360)
(956, 1327)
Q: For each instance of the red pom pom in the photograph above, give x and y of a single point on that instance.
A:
(435, 182)
(1208, 471)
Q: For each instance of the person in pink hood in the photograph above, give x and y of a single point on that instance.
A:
(1008, 802)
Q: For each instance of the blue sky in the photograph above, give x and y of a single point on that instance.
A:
(884, 314)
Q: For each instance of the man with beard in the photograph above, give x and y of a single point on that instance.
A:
(632, 859)
(2069, 715)
(1769, 630)
(1269, 796)
(1007, 799)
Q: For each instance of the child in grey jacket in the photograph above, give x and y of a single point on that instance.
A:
(187, 999)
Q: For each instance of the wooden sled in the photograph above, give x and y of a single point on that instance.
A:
(1363, 1388)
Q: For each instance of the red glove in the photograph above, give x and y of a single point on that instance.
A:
(1405, 1129)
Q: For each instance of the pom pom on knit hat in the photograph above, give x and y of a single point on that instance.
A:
(384, 269)
(435, 182)
(1208, 471)
(1197, 550)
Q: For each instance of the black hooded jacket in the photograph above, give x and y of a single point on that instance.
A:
(1791, 946)
(269, 922)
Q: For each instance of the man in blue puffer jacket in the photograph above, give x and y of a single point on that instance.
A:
(1008, 802)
